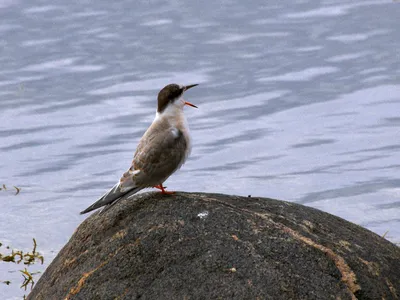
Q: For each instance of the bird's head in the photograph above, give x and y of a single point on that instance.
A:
(172, 95)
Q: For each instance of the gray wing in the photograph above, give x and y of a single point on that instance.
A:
(111, 197)
(161, 155)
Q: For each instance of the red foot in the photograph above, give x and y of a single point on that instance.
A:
(163, 191)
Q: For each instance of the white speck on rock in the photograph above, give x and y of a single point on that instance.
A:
(203, 214)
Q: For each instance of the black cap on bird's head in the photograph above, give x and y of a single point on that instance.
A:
(170, 93)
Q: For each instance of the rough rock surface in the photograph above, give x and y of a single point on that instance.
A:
(213, 246)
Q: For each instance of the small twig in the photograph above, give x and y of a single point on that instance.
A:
(28, 279)
(18, 189)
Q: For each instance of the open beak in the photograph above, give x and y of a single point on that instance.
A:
(185, 89)
(190, 104)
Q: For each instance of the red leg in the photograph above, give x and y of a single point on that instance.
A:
(163, 191)
(158, 187)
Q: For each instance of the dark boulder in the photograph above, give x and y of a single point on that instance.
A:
(212, 246)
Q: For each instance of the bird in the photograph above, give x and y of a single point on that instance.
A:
(162, 150)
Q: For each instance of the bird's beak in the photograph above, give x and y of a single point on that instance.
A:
(190, 104)
(185, 89)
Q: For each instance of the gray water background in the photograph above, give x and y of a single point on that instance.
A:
(298, 100)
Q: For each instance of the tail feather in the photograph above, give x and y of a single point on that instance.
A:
(113, 195)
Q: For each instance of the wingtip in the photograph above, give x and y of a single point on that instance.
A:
(107, 201)
(88, 209)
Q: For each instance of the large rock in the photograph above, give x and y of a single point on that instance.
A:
(211, 246)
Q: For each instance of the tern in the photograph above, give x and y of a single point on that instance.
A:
(161, 151)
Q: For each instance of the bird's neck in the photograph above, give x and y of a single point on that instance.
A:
(172, 114)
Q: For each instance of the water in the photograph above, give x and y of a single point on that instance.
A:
(297, 101)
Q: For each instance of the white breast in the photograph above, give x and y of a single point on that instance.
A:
(174, 116)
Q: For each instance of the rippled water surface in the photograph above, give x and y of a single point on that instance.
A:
(298, 100)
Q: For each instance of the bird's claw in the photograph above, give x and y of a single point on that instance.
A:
(163, 191)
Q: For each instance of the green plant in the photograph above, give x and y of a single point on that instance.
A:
(16, 188)
(27, 258)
